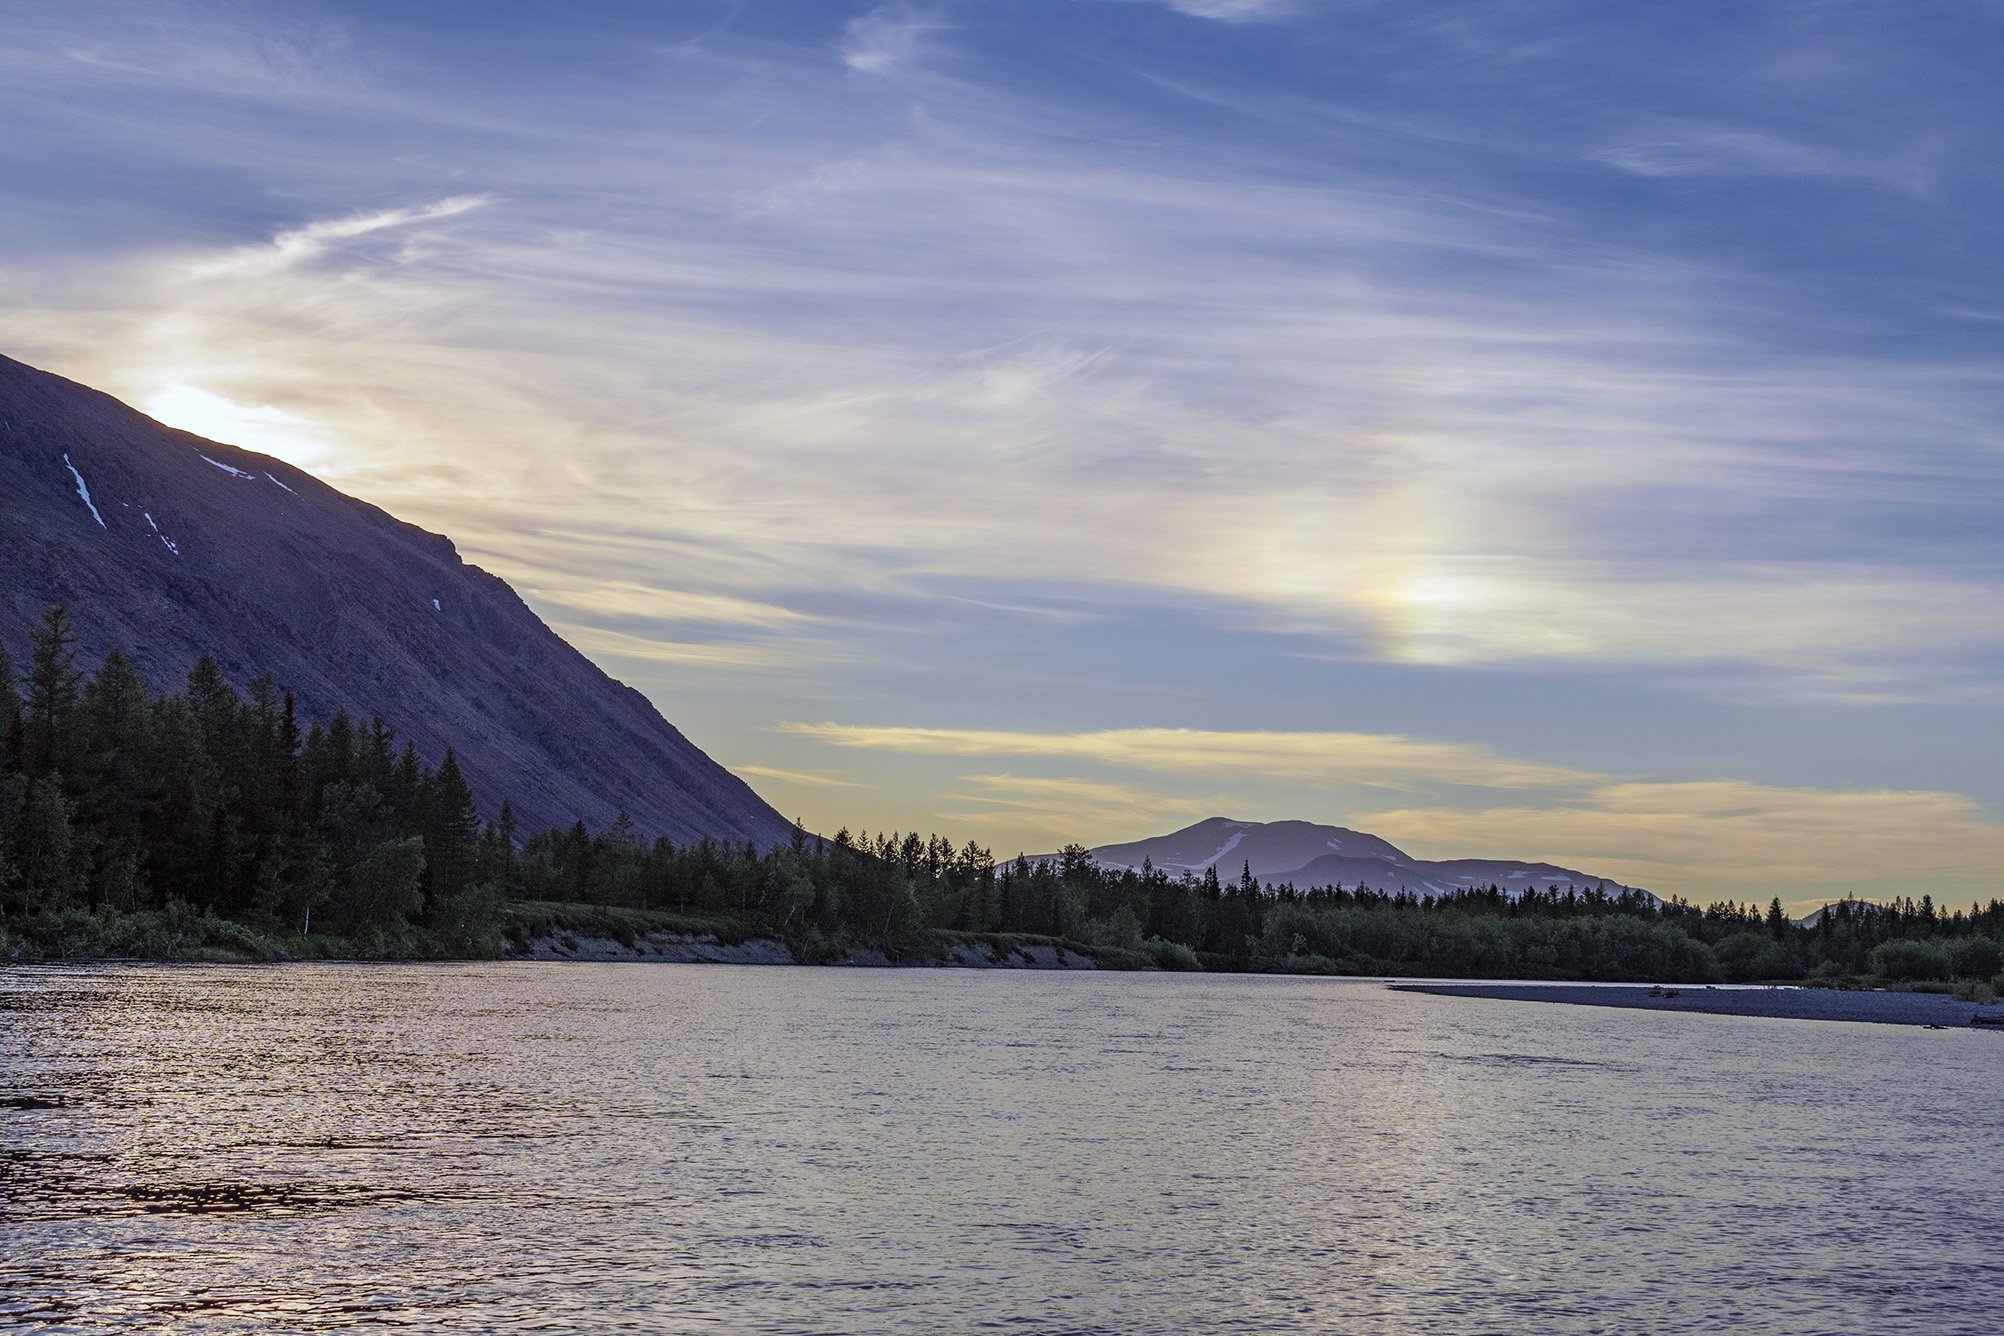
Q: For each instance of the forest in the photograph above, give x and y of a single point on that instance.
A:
(213, 823)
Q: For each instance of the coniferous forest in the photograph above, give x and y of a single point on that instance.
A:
(215, 823)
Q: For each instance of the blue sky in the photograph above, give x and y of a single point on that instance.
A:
(1531, 429)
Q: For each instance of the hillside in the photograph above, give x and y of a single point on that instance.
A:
(168, 546)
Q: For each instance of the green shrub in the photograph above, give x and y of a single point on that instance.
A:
(1976, 990)
(1171, 955)
(1906, 959)
(1978, 958)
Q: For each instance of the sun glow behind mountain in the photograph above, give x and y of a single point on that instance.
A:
(1611, 401)
(268, 430)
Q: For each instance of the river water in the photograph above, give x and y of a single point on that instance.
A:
(665, 1148)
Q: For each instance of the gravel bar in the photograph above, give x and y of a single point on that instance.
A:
(1802, 1004)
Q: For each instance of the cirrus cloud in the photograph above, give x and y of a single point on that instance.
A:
(1376, 759)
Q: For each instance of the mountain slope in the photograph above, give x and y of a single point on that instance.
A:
(1271, 847)
(167, 546)
(1307, 854)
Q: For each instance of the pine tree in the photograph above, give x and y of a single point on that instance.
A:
(50, 716)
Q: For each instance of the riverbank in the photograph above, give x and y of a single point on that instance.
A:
(557, 931)
(1804, 1004)
(531, 930)
(707, 949)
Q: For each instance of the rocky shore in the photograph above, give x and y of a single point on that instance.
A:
(703, 948)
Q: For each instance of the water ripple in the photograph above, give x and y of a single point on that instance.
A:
(576, 1148)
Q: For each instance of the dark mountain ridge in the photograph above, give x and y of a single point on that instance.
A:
(168, 546)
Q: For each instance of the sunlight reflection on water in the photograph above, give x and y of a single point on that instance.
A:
(665, 1148)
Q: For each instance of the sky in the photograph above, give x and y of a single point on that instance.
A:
(1532, 429)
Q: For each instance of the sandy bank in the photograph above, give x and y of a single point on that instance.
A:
(1806, 1004)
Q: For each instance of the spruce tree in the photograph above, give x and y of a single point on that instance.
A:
(51, 878)
(451, 834)
(214, 702)
(184, 785)
(10, 714)
(115, 795)
(52, 695)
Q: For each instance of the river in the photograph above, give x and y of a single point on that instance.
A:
(671, 1148)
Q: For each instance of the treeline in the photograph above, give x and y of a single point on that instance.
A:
(151, 824)
(903, 891)
(160, 824)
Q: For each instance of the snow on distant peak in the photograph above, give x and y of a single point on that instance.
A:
(83, 490)
(1231, 844)
(233, 472)
(275, 482)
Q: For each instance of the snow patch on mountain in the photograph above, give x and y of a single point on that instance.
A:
(170, 544)
(1234, 842)
(83, 490)
(233, 472)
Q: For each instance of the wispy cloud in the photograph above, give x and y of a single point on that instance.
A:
(1062, 806)
(1230, 11)
(1718, 151)
(614, 646)
(808, 778)
(651, 603)
(950, 350)
(886, 39)
(1375, 759)
(299, 245)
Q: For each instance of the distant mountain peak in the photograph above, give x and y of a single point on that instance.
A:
(1306, 854)
(168, 546)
